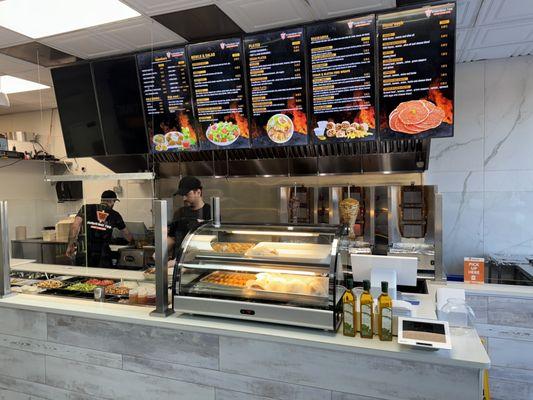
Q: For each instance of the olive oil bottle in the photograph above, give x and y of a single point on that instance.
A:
(348, 310)
(366, 312)
(385, 313)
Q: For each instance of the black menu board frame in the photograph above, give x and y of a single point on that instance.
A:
(427, 112)
(287, 122)
(353, 118)
(228, 129)
(173, 128)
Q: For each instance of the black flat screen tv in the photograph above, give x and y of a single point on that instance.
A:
(78, 112)
(120, 105)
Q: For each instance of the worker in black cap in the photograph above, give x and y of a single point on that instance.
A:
(191, 215)
(100, 220)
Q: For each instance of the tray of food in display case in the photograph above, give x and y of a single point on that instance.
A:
(279, 273)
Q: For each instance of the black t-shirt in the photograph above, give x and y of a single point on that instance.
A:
(186, 220)
(99, 221)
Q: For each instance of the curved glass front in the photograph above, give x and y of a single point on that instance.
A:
(282, 264)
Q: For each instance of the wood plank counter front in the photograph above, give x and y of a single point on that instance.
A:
(56, 348)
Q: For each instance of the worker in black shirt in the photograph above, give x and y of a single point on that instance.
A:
(191, 215)
(100, 220)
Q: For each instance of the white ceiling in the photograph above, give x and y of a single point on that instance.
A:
(486, 29)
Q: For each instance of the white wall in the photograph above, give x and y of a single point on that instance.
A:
(486, 171)
(33, 202)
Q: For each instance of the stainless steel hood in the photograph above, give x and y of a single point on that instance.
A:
(341, 158)
(395, 156)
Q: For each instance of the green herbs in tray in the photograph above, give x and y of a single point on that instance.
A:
(81, 287)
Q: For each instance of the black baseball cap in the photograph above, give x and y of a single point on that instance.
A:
(109, 195)
(188, 183)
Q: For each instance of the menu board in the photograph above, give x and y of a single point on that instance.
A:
(167, 100)
(218, 89)
(277, 90)
(342, 71)
(416, 64)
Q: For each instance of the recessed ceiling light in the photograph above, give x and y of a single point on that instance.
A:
(41, 18)
(10, 84)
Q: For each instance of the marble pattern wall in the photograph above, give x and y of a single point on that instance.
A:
(485, 172)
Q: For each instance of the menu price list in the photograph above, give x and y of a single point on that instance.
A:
(277, 88)
(416, 63)
(218, 88)
(342, 71)
(167, 100)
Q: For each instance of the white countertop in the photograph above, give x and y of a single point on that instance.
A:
(15, 262)
(467, 349)
(487, 289)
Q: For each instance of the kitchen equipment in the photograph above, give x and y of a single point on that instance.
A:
(275, 273)
(131, 258)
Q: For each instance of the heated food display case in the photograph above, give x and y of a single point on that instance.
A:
(272, 273)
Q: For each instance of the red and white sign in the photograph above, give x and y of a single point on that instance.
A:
(474, 270)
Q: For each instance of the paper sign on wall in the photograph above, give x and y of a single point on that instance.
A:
(474, 270)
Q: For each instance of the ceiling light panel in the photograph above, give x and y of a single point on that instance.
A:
(10, 84)
(41, 18)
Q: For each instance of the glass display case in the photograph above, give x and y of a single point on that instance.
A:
(273, 273)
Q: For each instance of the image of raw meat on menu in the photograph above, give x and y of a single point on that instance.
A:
(415, 117)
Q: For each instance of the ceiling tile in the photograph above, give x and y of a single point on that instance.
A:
(488, 53)
(502, 11)
(10, 38)
(86, 44)
(200, 23)
(39, 54)
(138, 33)
(467, 11)
(336, 8)
(503, 34)
(37, 74)
(256, 15)
(462, 38)
(9, 65)
(154, 7)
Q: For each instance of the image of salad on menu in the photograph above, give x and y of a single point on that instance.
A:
(218, 87)
(417, 58)
(342, 72)
(277, 90)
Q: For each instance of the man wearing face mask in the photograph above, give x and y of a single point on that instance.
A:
(191, 215)
(100, 220)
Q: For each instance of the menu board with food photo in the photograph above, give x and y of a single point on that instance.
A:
(342, 72)
(218, 90)
(277, 89)
(167, 100)
(416, 65)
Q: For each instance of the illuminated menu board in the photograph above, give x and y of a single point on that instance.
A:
(167, 100)
(218, 90)
(342, 72)
(276, 87)
(416, 63)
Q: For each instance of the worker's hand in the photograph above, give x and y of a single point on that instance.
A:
(71, 249)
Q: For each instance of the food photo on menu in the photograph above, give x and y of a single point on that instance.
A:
(167, 101)
(218, 89)
(342, 75)
(276, 88)
(417, 59)
(172, 133)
